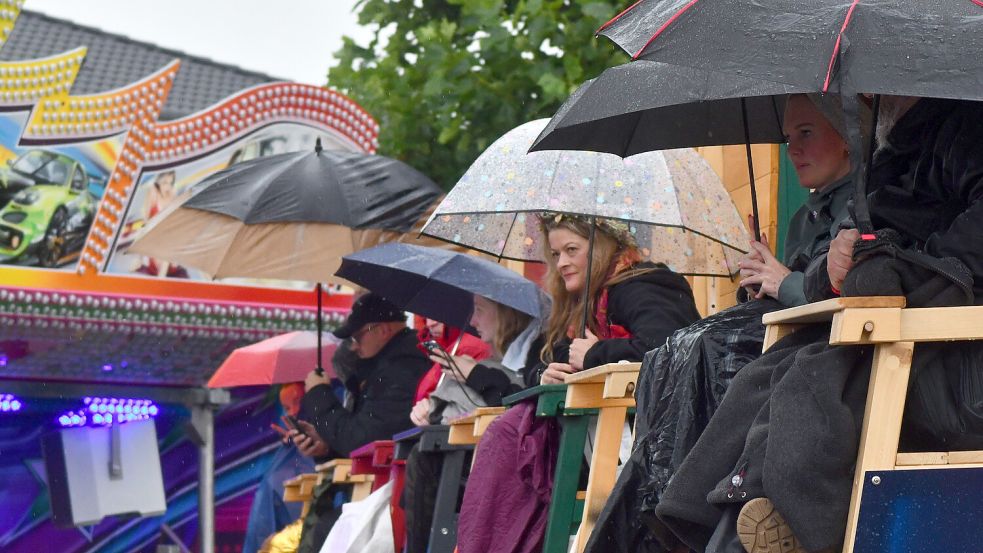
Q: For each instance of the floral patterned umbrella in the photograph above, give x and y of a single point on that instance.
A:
(673, 203)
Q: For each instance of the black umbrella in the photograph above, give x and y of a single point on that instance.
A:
(440, 284)
(901, 47)
(897, 47)
(291, 216)
(644, 106)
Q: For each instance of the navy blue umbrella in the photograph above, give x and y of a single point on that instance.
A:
(439, 284)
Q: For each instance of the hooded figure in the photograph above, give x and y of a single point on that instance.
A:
(784, 439)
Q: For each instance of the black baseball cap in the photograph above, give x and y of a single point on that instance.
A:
(369, 308)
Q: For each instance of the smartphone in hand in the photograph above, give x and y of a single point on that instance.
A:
(291, 422)
(434, 347)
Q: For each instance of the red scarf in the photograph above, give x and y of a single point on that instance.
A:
(606, 330)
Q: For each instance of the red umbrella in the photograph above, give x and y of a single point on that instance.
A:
(284, 358)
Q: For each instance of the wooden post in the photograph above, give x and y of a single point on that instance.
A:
(882, 422)
(603, 469)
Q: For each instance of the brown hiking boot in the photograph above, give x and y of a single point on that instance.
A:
(762, 529)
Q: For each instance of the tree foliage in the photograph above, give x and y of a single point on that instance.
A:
(445, 78)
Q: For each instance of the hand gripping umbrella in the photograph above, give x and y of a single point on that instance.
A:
(291, 216)
(896, 47)
(673, 204)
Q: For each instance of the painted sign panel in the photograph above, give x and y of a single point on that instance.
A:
(49, 195)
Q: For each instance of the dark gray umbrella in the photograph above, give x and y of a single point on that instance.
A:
(644, 106)
(900, 47)
(440, 284)
(291, 216)
(897, 47)
(352, 189)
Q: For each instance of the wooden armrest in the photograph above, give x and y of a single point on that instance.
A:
(463, 419)
(300, 488)
(343, 475)
(599, 374)
(823, 311)
(485, 416)
(300, 479)
(928, 324)
(533, 392)
(485, 411)
(333, 464)
(611, 385)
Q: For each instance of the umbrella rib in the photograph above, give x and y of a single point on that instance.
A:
(665, 26)
(515, 217)
(778, 117)
(836, 47)
(617, 17)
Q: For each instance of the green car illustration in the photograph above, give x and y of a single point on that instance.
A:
(47, 219)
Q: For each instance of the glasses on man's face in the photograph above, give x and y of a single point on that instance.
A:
(357, 337)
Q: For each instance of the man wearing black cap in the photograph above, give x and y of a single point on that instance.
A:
(380, 391)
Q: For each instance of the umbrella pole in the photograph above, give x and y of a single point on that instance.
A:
(457, 343)
(319, 370)
(861, 209)
(590, 264)
(750, 171)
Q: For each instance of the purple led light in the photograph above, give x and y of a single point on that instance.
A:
(100, 411)
(9, 403)
(107, 367)
(71, 418)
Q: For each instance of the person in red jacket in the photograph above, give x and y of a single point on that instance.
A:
(446, 336)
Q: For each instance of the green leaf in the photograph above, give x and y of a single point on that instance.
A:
(434, 109)
(600, 11)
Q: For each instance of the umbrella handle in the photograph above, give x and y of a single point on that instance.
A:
(457, 343)
(860, 207)
(750, 171)
(319, 370)
(590, 263)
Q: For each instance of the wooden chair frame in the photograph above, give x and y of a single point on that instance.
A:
(301, 489)
(339, 471)
(611, 390)
(608, 393)
(894, 331)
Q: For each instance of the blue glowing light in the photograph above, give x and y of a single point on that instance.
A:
(102, 410)
(9, 403)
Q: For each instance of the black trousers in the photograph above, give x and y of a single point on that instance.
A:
(420, 496)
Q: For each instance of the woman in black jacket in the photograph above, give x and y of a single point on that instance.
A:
(633, 306)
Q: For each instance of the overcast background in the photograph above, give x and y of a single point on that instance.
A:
(289, 39)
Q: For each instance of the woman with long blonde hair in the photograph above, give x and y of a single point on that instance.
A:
(632, 307)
